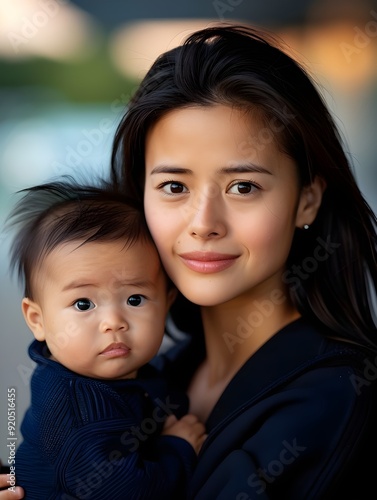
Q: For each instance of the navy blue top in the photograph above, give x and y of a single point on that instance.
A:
(98, 439)
(297, 422)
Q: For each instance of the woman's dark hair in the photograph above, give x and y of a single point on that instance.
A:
(54, 213)
(332, 268)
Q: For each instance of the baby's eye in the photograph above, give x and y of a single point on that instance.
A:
(84, 304)
(242, 187)
(173, 187)
(136, 300)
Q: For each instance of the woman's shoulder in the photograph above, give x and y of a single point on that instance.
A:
(304, 397)
(313, 344)
(301, 364)
(320, 361)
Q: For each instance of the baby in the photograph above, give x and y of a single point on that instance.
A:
(102, 423)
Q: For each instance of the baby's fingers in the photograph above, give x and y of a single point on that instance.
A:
(11, 492)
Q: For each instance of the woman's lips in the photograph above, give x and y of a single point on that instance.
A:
(208, 262)
(116, 350)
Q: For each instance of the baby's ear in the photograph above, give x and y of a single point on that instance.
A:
(34, 318)
(310, 201)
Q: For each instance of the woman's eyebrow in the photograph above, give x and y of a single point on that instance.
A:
(234, 169)
(170, 169)
(245, 167)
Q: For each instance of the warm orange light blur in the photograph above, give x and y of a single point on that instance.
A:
(134, 47)
(341, 52)
(47, 28)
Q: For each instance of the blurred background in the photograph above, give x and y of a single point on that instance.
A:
(68, 68)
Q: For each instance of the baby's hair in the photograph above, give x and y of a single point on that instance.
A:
(55, 213)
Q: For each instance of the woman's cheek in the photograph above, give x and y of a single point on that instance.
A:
(159, 232)
(150, 215)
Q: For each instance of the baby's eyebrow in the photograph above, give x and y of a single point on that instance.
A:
(77, 284)
(135, 283)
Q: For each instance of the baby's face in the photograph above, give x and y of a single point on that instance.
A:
(101, 307)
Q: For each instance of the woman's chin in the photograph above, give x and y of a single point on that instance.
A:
(206, 298)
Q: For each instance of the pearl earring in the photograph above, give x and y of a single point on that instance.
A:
(306, 226)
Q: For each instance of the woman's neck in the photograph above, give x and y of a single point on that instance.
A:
(233, 332)
(236, 330)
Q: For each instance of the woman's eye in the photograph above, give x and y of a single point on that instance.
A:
(135, 300)
(242, 187)
(84, 305)
(172, 187)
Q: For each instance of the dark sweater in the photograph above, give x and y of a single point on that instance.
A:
(297, 422)
(97, 439)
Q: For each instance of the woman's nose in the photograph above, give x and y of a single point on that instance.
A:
(207, 216)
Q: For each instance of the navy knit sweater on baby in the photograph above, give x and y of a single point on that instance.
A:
(87, 438)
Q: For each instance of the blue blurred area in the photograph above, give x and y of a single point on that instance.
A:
(273, 12)
(58, 114)
(40, 145)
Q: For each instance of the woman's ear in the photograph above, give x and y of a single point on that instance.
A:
(310, 201)
(34, 318)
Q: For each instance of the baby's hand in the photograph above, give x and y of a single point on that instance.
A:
(188, 427)
(9, 494)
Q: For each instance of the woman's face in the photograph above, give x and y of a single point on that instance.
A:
(222, 203)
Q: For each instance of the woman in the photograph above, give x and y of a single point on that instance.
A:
(260, 224)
